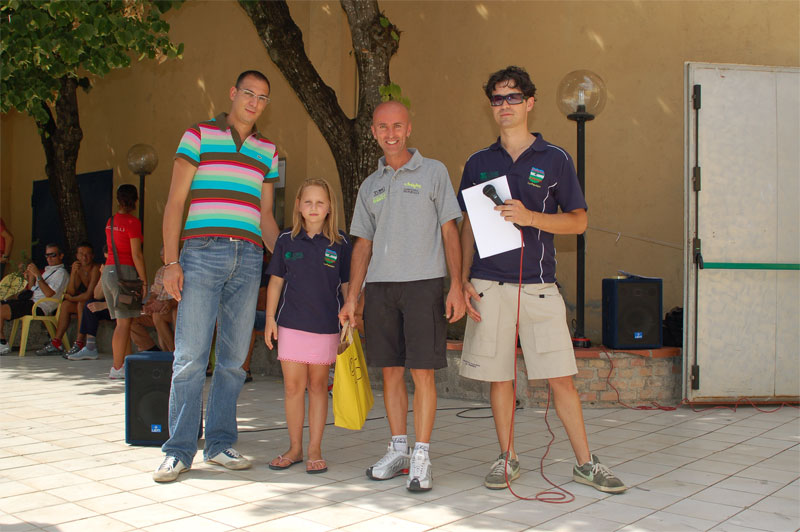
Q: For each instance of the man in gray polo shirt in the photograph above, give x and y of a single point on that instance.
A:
(406, 223)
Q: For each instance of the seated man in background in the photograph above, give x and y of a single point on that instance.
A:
(96, 310)
(82, 280)
(41, 284)
(261, 314)
(163, 309)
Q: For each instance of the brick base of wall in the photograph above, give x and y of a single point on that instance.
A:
(641, 376)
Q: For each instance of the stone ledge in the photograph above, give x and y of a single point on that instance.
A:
(597, 352)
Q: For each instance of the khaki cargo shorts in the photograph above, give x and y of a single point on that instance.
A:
(488, 353)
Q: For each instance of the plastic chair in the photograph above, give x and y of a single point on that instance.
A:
(51, 322)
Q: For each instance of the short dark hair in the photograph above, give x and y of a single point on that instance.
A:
(53, 245)
(127, 195)
(256, 74)
(85, 244)
(518, 75)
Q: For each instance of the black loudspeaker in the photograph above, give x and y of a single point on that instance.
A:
(147, 383)
(632, 313)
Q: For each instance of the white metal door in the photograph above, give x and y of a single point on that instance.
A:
(742, 302)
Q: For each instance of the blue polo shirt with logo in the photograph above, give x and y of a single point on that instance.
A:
(313, 271)
(543, 177)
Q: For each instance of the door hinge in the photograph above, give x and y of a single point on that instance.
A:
(695, 377)
(697, 252)
(696, 178)
(696, 97)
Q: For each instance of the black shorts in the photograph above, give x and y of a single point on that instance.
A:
(20, 308)
(405, 324)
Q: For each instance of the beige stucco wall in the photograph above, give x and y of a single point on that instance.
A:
(447, 50)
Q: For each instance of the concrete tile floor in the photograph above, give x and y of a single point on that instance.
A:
(64, 466)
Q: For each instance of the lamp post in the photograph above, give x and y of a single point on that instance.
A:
(581, 97)
(142, 160)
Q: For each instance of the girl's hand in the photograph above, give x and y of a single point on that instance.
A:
(270, 331)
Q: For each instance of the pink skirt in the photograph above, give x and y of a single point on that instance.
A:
(306, 347)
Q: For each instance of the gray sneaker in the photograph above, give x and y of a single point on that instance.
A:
(394, 462)
(496, 479)
(5, 348)
(49, 350)
(598, 476)
(420, 476)
(84, 354)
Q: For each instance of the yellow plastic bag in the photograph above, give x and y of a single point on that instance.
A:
(352, 395)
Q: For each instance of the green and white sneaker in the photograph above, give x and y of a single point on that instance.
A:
(496, 479)
(598, 476)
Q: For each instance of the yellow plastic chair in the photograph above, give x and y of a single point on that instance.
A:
(51, 322)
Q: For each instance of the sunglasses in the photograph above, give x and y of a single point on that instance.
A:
(515, 98)
(51, 255)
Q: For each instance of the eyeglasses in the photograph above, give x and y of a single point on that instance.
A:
(515, 98)
(51, 255)
(260, 97)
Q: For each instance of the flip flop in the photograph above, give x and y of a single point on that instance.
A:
(315, 467)
(283, 463)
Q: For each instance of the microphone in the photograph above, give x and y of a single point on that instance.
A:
(490, 192)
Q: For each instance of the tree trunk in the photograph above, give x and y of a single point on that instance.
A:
(350, 139)
(61, 137)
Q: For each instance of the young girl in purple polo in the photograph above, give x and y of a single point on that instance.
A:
(309, 270)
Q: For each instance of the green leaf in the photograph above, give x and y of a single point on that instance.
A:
(384, 22)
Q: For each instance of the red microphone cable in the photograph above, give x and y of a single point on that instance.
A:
(562, 496)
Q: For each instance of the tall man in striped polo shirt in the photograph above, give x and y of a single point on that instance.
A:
(228, 169)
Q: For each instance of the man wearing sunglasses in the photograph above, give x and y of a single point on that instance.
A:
(546, 200)
(227, 169)
(48, 283)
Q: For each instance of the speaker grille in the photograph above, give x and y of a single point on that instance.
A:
(147, 384)
(632, 313)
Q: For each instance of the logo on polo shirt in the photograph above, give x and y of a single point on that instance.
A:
(536, 176)
(485, 176)
(293, 255)
(379, 195)
(411, 188)
(330, 258)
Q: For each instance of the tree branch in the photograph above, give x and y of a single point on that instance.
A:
(284, 43)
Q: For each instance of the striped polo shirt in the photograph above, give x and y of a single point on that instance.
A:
(226, 189)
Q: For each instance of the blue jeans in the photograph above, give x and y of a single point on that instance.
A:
(220, 285)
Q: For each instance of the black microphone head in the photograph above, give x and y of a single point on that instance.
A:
(490, 192)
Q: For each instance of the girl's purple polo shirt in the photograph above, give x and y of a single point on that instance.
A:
(313, 271)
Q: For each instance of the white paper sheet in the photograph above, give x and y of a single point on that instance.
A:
(493, 235)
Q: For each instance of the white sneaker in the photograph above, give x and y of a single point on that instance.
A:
(393, 463)
(231, 459)
(420, 477)
(169, 470)
(5, 349)
(116, 374)
(84, 354)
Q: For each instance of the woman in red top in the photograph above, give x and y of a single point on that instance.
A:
(128, 241)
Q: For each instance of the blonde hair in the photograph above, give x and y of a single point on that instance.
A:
(330, 229)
